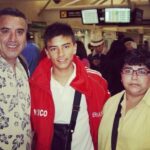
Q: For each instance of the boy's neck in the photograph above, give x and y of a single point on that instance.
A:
(62, 76)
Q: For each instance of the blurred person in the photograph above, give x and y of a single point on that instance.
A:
(96, 58)
(146, 45)
(129, 43)
(112, 66)
(81, 52)
(54, 86)
(15, 128)
(31, 53)
(125, 123)
(114, 60)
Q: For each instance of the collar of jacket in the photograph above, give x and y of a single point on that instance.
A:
(42, 75)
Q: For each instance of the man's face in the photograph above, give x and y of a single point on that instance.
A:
(98, 49)
(136, 83)
(12, 37)
(61, 50)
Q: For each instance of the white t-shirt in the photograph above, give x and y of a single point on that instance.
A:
(63, 100)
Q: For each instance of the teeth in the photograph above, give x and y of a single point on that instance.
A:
(61, 60)
(12, 46)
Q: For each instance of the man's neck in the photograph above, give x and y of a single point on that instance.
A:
(132, 101)
(11, 62)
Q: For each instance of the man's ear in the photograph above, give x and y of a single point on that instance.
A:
(47, 53)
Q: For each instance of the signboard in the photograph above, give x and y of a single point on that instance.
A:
(70, 13)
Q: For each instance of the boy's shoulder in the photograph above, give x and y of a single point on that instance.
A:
(95, 74)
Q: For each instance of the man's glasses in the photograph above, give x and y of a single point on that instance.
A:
(139, 72)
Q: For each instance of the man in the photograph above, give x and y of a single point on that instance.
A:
(14, 88)
(31, 53)
(97, 58)
(53, 85)
(126, 123)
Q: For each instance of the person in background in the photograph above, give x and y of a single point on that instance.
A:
(112, 66)
(113, 62)
(53, 85)
(15, 128)
(129, 43)
(81, 52)
(125, 123)
(146, 45)
(96, 58)
(31, 53)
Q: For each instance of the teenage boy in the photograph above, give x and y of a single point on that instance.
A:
(53, 86)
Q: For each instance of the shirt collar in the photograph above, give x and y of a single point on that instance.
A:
(73, 75)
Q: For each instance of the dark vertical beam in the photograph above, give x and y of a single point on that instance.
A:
(41, 11)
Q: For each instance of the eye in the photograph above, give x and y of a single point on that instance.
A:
(127, 70)
(4, 30)
(142, 72)
(20, 32)
(52, 49)
(66, 46)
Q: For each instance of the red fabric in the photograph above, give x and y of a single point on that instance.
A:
(86, 81)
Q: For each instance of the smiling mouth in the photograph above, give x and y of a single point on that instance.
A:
(134, 85)
(61, 60)
(12, 47)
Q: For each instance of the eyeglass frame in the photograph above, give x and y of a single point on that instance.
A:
(137, 71)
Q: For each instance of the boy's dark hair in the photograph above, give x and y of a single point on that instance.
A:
(12, 12)
(138, 57)
(57, 29)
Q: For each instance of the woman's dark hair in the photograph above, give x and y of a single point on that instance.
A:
(81, 50)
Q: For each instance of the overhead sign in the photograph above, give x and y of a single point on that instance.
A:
(70, 13)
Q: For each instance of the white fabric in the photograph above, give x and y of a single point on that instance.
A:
(63, 99)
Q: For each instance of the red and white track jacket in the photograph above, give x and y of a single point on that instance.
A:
(87, 81)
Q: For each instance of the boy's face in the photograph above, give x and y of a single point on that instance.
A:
(136, 79)
(12, 36)
(61, 50)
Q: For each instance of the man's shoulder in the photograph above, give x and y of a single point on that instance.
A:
(114, 100)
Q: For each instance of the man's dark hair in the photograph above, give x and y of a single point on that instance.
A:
(138, 57)
(57, 29)
(12, 12)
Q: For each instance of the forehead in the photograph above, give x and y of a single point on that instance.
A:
(12, 22)
(135, 66)
(60, 40)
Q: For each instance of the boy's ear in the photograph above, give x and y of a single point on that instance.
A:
(75, 48)
(46, 51)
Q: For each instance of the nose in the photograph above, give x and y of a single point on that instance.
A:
(134, 74)
(60, 51)
(12, 36)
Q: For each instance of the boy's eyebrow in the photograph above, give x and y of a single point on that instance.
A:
(66, 43)
(57, 46)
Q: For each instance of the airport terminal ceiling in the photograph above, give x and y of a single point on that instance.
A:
(75, 4)
(40, 6)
